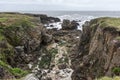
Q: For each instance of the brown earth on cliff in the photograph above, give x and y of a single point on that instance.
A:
(99, 50)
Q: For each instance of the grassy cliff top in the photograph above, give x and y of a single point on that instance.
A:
(107, 22)
(7, 20)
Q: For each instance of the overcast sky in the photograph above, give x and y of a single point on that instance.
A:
(44, 5)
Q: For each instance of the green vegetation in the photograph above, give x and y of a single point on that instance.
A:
(106, 22)
(47, 58)
(116, 70)
(15, 25)
(8, 20)
(15, 71)
(53, 52)
(13, 28)
(18, 72)
(3, 19)
(1, 37)
(45, 61)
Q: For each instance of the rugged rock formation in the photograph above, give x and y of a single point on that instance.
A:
(21, 38)
(99, 50)
(69, 25)
(58, 67)
(44, 18)
(26, 47)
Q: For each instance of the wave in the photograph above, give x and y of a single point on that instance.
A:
(80, 19)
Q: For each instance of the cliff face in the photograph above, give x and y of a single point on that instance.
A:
(21, 38)
(26, 47)
(99, 50)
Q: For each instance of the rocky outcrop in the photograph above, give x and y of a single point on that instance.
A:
(99, 50)
(44, 18)
(58, 67)
(21, 38)
(69, 25)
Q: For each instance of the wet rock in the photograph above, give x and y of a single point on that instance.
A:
(69, 25)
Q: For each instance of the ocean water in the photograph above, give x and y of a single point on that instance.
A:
(80, 16)
(81, 13)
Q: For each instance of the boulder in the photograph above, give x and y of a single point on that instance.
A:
(69, 25)
(46, 19)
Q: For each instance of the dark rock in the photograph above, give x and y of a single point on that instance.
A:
(51, 25)
(2, 73)
(47, 38)
(45, 19)
(99, 50)
(62, 66)
(69, 25)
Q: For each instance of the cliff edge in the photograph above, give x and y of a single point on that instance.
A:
(99, 50)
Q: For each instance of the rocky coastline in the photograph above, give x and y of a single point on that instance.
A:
(33, 48)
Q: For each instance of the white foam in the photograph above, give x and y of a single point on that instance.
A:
(54, 25)
(80, 19)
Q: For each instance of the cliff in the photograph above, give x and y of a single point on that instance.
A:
(29, 51)
(21, 37)
(99, 50)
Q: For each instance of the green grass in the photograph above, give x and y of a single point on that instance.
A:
(11, 24)
(3, 19)
(106, 22)
(18, 72)
(16, 20)
(116, 70)
(15, 71)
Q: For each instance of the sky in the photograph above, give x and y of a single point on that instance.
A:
(56, 5)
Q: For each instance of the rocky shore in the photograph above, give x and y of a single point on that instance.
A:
(33, 48)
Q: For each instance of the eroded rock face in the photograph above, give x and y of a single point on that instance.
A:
(69, 25)
(58, 67)
(21, 38)
(99, 50)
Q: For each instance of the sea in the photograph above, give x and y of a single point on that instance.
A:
(80, 16)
